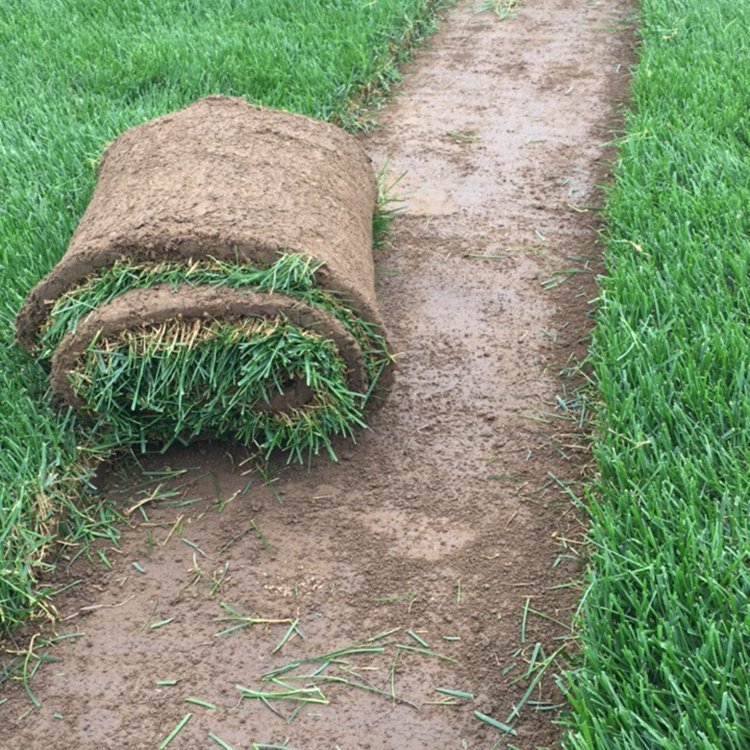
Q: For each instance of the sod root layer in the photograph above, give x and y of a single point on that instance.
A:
(220, 284)
(447, 520)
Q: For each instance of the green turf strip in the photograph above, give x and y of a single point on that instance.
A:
(76, 73)
(181, 381)
(666, 618)
(292, 275)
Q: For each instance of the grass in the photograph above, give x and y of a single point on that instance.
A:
(76, 75)
(166, 383)
(177, 729)
(665, 622)
(501, 8)
(339, 668)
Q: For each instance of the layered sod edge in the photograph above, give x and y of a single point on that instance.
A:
(172, 382)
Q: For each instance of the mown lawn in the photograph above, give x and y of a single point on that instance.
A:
(666, 617)
(75, 73)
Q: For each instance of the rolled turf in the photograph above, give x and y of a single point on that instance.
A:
(220, 283)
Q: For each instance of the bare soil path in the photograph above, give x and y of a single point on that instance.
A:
(447, 521)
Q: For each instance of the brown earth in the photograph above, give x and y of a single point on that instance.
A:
(180, 188)
(449, 518)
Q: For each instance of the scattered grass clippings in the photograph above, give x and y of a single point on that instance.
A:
(161, 623)
(221, 743)
(199, 702)
(495, 723)
(455, 693)
(194, 546)
(291, 630)
(426, 652)
(281, 689)
(297, 695)
(421, 641)
(240, 622)
(524, 618)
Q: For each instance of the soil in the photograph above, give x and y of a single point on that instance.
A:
(450, 520)
(225, 179)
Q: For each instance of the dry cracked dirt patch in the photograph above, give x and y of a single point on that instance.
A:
(439, 552)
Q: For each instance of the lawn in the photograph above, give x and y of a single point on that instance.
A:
(665, 619)
(78, 72)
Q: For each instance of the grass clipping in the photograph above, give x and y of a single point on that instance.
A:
(233, 330)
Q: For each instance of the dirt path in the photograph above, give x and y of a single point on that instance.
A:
(446, 520)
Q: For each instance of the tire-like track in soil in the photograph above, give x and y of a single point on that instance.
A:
(447, 518)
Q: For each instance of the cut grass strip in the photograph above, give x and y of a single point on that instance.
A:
(223, 744)
(368, 646)
(200, 702)
(177, 729)
(455, 693)
(104, 67)
(368, 688)
(348, 675)
(287, 635)
(664, 622)
(495, 724)
(161, 623)
(244, 621)
(426, 652)
(524, 618)
(297, 695)
(421, 641)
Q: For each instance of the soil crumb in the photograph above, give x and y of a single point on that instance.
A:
(430, 573)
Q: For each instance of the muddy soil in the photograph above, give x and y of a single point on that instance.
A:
(448, 523)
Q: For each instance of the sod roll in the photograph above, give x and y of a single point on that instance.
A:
(220, 283)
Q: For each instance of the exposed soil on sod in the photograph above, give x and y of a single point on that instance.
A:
(449, 518)
(148, 205)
